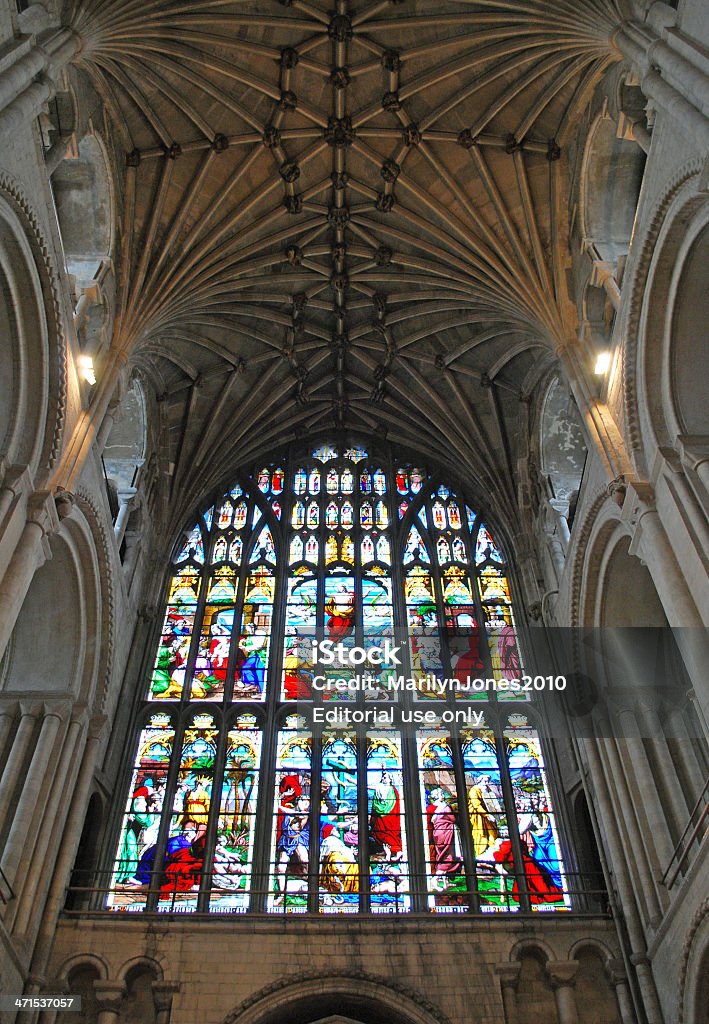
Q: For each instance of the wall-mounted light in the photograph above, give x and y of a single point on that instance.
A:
(603, 363)
(86, 369)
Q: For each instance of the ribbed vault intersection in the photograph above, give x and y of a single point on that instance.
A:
(346, 218)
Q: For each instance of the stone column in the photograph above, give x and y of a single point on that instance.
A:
(27, 806)
(31, 552)
(508, 973)
(28, 83)
(14, 766)
(30, 893)
(618, 979)
(562, 975)
(109, 996)
(163, 992)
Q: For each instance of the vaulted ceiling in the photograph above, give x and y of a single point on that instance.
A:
(345, 218)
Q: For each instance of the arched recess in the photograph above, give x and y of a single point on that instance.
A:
(318, 997)
(124, 452)
(82, 186)
(55, 647)
(32, 352)
(665, 355)
(595, 998)
(611, 179)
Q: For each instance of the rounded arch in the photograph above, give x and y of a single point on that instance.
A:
(681, 214)
(55, 647)
(532, 947)
(694, 975)
(141, 963)
(32, 345)
(84, 960)
(317, 996)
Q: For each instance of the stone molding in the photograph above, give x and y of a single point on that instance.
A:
(637, 291)
(356, 981)
(48, 278)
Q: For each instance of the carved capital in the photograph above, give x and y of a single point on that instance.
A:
(42, 512)
(508, 973)
(562, 973)
(64, 501)
(109, 995)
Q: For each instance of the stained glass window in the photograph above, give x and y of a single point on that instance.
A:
(262, 780)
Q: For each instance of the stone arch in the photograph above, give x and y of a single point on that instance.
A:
(146, 963)
(671, 354)
(32, 345)
(536, 946)
(315, 996)
(679, 215)
(55, 647)
(694, 974)
(84, 960)
(595, 998)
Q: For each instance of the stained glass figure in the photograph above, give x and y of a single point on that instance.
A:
(458, 548)
(416, 479)
(313, 515)
(454, 516)
(439, 516)
(263, 480)
(330, 550)
(277, 481)
(365, 482)
(348, 550)
(347, 515)
(233, 853)
(367, 549)
(181, 872)
(485, 549)
(331, 516)
(220, 550)
(445, 864)
(347, 484)
(338, 881)
(403, 509)
(300, 481)
(415, 548)
(379, 481)
(298, 515)
(291, 841)
(134, 863)
(388, 868)
(402, 481)
(240, 516)
(365, 515)
(225, 514)
(314, 481)
(193, 548)
(296, 550)
(383, 550)
(301, 621)
(333, 482)
(382, 517)
(264, 547)
(444, 551)
(235, 550)
(311, 549)
(255, 636)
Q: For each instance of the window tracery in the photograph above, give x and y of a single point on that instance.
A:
(242, 798)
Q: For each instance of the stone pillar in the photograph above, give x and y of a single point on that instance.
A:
(109, 996)
(69, 844)
(29, 894)
(163, 992)
(27, 806)
(618, 979)
(562, 975)
(508, 973)
(15, 764)
(31, 552)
